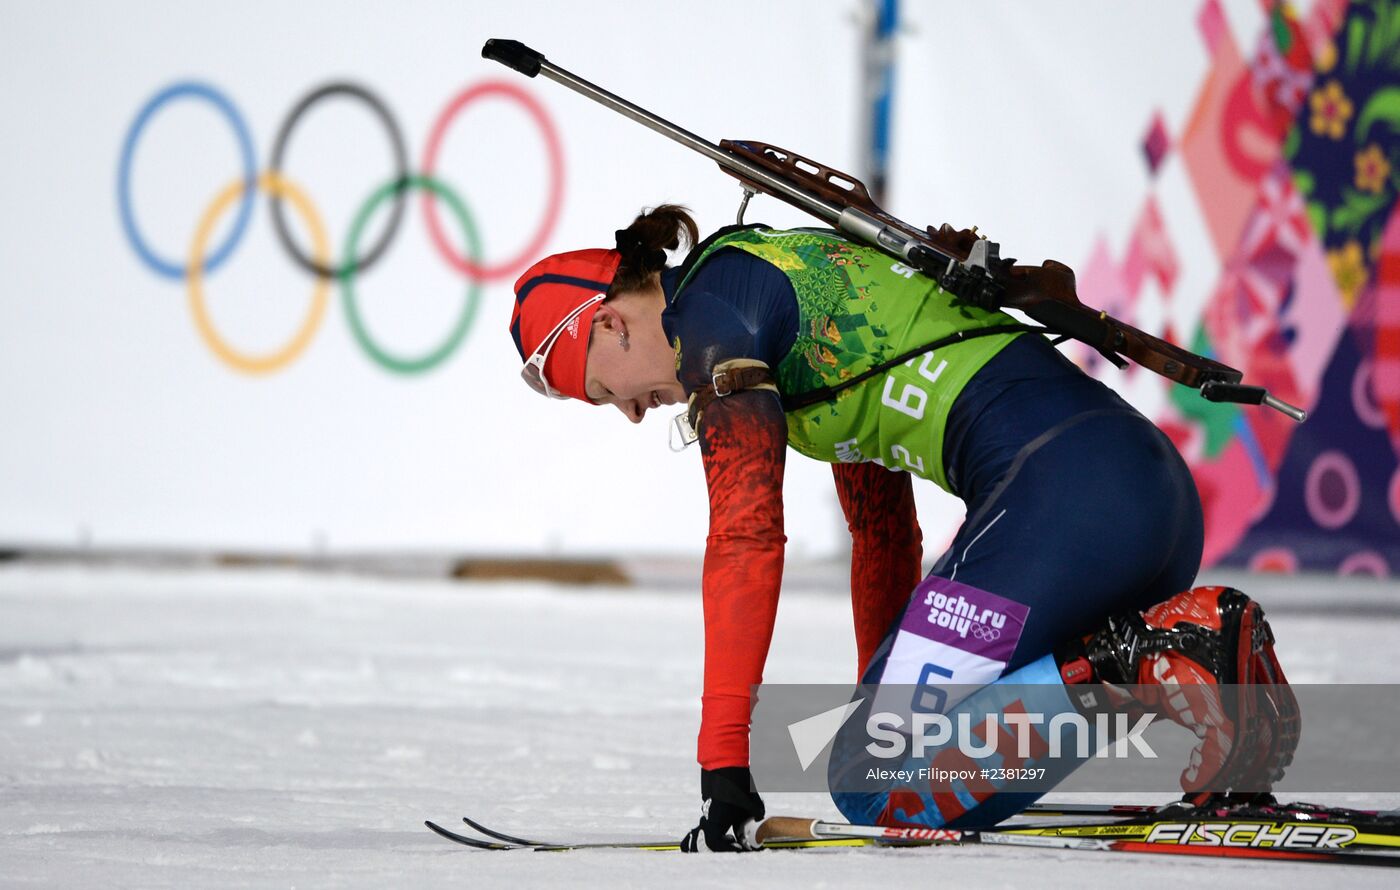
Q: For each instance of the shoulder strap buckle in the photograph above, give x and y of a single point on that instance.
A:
(723, 382)
(729, 377)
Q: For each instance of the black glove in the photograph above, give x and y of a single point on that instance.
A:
(730, 810)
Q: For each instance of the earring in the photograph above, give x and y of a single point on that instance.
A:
(622, 341)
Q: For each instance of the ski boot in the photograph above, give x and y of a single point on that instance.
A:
(1205, 659)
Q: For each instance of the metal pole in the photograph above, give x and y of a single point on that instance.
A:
(879, 24)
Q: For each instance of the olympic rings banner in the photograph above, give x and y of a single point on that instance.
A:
(254, 286)
(321, 263)
(257, 268)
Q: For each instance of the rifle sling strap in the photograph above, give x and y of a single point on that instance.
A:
(736, 375)
(826, 393)
(729, 377)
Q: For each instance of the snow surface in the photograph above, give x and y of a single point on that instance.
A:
(184, 728)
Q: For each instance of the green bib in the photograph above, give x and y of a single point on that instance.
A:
(859, 307)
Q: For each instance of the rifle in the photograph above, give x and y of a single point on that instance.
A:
(961, 262)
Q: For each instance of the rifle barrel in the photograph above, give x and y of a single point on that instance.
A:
(824, 210)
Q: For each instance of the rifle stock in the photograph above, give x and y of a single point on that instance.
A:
(1046, 293)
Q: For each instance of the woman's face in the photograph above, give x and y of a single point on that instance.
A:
(630, 364)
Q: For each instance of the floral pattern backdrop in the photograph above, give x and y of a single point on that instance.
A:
(1292, 151)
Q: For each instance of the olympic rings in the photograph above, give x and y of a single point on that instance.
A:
(279, 146)
(984, 633)
(257, 364)
(506, 268)
(471, 262)
(352, 312)
(195, 90)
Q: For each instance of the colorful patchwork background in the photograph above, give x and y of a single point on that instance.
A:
(1292, 151)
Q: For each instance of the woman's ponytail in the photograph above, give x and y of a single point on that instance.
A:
(644, 243)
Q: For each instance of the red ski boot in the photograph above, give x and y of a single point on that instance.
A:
(1205, 659)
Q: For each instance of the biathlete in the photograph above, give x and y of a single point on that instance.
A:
(1083, 532)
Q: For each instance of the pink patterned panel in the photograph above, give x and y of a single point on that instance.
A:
(1150, 251)
(1385, 368)
(1229, 491)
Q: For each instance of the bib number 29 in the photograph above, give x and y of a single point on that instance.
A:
(913, 399)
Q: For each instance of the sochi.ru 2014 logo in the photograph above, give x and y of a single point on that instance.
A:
(318, 262)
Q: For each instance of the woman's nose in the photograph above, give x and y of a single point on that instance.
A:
(633, 409)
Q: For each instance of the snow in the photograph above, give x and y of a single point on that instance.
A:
(216, 727)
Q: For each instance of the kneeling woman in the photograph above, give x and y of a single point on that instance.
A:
(1080, 513)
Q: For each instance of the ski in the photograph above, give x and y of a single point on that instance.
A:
(480, 844)
(1226, 838)
(1092, 809)
(510, 839)
(660, 846)
(465, 841)
(1116, 811)
(1292, 832)
(1295, 809)
(501, 835)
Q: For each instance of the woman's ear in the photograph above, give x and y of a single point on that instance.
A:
(610, 320)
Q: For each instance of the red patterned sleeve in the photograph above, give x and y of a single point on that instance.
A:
(886, 548)
(743, 440)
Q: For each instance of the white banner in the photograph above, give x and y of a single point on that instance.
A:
(128, 421)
